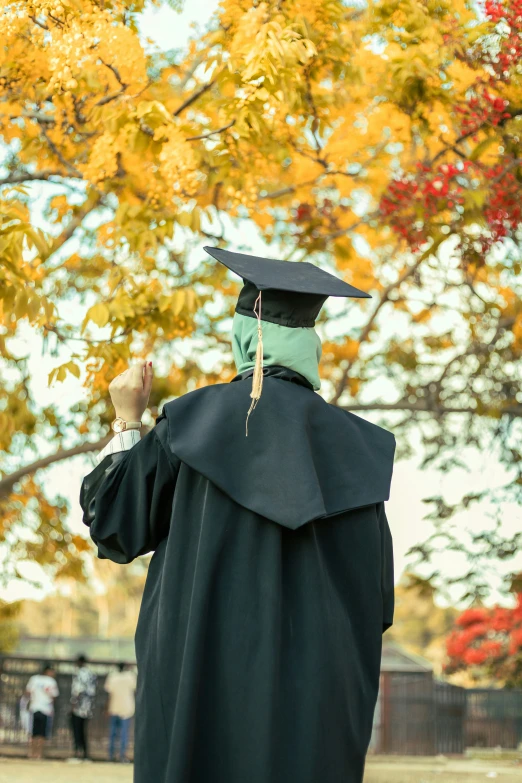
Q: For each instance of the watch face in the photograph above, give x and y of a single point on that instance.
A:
(118, 425)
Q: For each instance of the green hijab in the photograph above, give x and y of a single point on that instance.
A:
(297, 348)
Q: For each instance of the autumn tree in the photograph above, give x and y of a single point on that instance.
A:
(487, 644)
(9, 627)
(420, 624)
(381, 142)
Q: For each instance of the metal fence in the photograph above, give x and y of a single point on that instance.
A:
(14, 675)
(404, 721)
(493, 718)
(415, 714)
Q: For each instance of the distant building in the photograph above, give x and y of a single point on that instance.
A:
(396, 659)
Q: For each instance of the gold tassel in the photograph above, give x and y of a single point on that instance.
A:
(257, 378)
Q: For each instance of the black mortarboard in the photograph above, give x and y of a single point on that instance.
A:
(293, 292)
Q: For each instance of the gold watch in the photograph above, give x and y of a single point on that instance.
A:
(120, 425)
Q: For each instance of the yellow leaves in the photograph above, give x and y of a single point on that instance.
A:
(178, 162)
(263, 219)
(462, 75)
(154, 113)
(262, 45)
(182, 298)
(119, 309)
(481, 148)
(98, 314)
(175, 302)
(190, 219)
(60, 373)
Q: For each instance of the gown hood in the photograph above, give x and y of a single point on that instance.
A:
(303, 459)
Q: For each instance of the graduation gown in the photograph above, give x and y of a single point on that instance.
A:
(259, 637)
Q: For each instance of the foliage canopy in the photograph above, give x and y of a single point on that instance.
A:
(382, 142)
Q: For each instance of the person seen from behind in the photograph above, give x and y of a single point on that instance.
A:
(121, 687)
(41, 690)
(260, 632)
(83, 693)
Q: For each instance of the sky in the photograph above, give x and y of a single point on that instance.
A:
(405, 509)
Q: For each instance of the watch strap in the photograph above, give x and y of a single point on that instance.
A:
(120, 425)
(132, 425)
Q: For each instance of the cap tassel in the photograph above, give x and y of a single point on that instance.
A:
(257, 379)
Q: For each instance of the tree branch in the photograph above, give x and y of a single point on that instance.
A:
(7, 482)
(56, 151)
(438, 410)
(192, 98)
(40, 24)
(211, 133)
(290, 189)
(74, 223)
(112, 97)
(27, 176)
(408, 272)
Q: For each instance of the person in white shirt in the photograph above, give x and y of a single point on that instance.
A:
(41, 690)
(121, 687)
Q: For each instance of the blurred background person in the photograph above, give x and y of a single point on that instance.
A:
(83, 694)
(41, 690)
(121, 687)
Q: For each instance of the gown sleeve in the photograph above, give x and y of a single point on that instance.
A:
(127, 499)
(387, 580)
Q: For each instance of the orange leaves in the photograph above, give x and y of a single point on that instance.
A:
(423, 316)
(335, 352)
(361, 274)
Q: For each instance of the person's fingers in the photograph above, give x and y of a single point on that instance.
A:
(136, 375)
(147, 378)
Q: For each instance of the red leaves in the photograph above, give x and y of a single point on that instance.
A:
(472, 616)
(303, 213)
(474, 656)
(457, 195)
(482, 109)
(410, 203)
(503, 211)
(510, 42)
(489, 640)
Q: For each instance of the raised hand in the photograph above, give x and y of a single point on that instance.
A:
(130, 391)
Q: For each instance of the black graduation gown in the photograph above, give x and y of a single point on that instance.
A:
(259, 637)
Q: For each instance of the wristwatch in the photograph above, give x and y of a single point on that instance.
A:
(119, 425)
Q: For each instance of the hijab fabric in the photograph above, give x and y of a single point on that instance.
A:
(297, 348)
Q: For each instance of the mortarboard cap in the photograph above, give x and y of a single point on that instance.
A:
(293, 292)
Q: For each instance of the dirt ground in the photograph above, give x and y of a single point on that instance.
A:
(394, 770)
(440, 770)
(17, 771)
